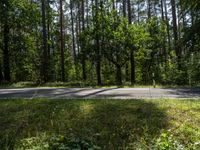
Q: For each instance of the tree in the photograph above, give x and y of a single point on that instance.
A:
(62, 43)
(44, 44)
(174, 18)
(83, 55)
(6, 30)
(98, 56)
(132, 59)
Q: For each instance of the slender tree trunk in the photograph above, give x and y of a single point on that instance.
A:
(183, 16)
(125, 16)
(118, 75)
(44, 44)
(98, 55)
(87, 13)
(113, 4)
(164, 46)
(83, 44)
(175, 30)
(129, 12)
(5, 48)
(48, 28)
(6, 58)
(77, 29)
(72, 25)
(138, 10)
(167, 22)
(132, 58)
(149, 9)
(62, 43)
(162, 10)
(1, 73)
(124, 8)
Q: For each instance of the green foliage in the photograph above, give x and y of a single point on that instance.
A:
(33, 143)
(107, 38)
(166, 141)
(71, 142)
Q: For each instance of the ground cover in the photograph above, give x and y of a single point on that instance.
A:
(99, 124)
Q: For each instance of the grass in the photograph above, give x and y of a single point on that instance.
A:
(99, 124)
(85, 84)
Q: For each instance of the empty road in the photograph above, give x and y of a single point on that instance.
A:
(98, 93)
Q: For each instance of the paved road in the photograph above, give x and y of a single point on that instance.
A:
(112, 93)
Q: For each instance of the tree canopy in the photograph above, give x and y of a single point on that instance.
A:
(100, 42)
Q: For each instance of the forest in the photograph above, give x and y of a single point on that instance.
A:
(100, 42)
(91, 65)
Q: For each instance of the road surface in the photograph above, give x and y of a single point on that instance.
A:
(98, 93)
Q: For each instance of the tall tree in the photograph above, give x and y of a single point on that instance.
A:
(98, 55)
(164, 36)
(44, 44)
(132, 58)
(83, 44)
(48, 27)
(72, 27)
(149, 9)
(175, 28)
(6, 30)
(167, 22)
(62, 43)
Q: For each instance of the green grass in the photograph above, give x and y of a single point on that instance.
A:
(99, 124)
(85, 84)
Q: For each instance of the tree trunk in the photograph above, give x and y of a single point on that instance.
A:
(6, 58)
(72, 25)
(118, 75)
(48, 28)
(5, 48)
(113, 4)
(174, 19)
(132, 58)
(129, 12)
(149, 9)
(167, 22)
(83, 44)
(87, 13)
(1, 73)
(98, 55)
(125, 16)
(44, 44)
(62, 43)
(138, 11)
(164, 46)
(124, 8)
(162, 10)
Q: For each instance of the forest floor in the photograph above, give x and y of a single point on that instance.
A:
(99, 93)
(99, 124)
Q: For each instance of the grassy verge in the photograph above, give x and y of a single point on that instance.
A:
(85, 84)
(99, 124)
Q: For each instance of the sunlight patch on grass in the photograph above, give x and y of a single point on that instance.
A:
(86, 108)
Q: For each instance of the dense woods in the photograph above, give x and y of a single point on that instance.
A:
(100, 42)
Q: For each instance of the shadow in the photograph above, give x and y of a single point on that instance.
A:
(122, 124)
(38, 92)
(110, 124)
(53, 93)
(185, 92)
(97, 92)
